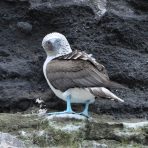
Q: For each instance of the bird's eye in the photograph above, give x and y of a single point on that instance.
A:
(48, 42)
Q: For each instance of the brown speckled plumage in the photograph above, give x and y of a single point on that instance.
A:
(77, 70)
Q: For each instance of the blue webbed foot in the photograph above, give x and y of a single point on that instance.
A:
(67, 111)
(84, 114)
(85, 111)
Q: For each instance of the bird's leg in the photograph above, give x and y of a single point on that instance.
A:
(68, 109)
(85, 111)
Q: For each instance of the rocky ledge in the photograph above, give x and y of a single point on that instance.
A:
(31, 130)
(115, 32)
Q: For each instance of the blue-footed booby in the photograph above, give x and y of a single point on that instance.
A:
(74, 76)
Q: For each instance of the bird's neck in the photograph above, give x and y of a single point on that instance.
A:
(49, 58)
(53, 56)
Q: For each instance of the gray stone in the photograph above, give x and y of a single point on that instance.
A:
(7, 140)
(93, 144)
(98, 7)
(24, 27)
(16, 1)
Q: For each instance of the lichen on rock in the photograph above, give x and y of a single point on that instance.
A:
(74, 131)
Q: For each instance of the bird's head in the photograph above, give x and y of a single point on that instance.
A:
(56, 44)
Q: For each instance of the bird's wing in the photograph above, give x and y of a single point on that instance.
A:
(77, 69)
(81, 55)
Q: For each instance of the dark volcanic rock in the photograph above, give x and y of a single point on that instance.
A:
(116, 32)
(24, 27)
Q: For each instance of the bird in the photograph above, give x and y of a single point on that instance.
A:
(75, 76)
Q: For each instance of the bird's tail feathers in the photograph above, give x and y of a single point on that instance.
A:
(112, 84)
(105, 93)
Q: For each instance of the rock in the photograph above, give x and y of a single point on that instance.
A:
(119, 131)
(70, 116)
(25, 27)
(70, 131)
(93, 144)
(115, 32)
(7, 140)
(98, 7)
(16, 1)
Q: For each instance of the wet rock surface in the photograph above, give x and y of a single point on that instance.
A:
(115, 32)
